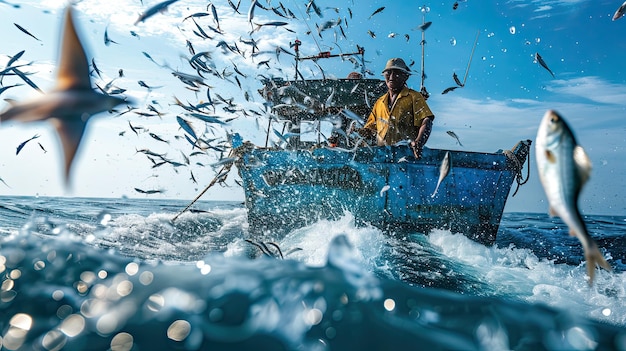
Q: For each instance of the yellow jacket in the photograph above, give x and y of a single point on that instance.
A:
(402, 121)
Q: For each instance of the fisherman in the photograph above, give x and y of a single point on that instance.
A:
(401, 113)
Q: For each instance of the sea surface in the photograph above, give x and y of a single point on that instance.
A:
(118, 274)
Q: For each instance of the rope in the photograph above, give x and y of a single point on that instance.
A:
(519, 178)
(222, 174)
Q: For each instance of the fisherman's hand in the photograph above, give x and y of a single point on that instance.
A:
(417, 150)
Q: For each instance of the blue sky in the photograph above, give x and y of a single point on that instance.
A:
(505, 96)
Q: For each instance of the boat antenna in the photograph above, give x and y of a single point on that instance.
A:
(425, 9)
(470, 58)
(296, 47)
(298, 42)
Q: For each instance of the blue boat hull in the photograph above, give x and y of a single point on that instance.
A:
(382, 186)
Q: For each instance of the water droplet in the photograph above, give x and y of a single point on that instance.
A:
(313, 316)
(453, 41)
(537, 40)
(424, 9)
(54, 340)
(132, 268)
(122, 342)
(21, 321)
(73, 325)
(179, 330)
(389, 304)
(512, 29)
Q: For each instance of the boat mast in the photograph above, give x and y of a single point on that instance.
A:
(425, 9)
(296, 46)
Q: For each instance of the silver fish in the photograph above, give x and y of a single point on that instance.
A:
(424, 26)
(186, 126)
(25, 78)
(160, 7)
(5, 88)
(449, 89)
(70, 104)
(384, 189)
(215, 18)
(563, 168)
(150, 191)
(25, 31)
(444, 169)
(107, 39)
(253, 5)
(453, 134)
(329, 100)
(5, 183)
(378, 10)
(21, 146)
(456, 79)
(619, 13)
(15, 57)
(543, 63)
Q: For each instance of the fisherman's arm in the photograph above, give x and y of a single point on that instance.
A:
(417, 145)
(369, 129)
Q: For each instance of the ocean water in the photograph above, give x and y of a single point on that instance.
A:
(118, 274)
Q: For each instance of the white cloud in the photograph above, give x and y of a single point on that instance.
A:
(591, 88)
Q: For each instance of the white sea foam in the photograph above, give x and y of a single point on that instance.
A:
(520, 273)
(315, 239)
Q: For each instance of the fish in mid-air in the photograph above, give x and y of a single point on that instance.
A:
(453, 134)
(619, 13)
(384, 189)
(543, 64)
(378, 10)
(444, 169)
(563, 168)
(69, 105)
(158, 8)
(23, 143)
(26, 32)
(449, 89)
(424, 26)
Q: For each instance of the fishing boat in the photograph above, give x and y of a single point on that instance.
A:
(317, 169)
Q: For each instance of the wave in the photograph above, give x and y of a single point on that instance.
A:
(60, 293)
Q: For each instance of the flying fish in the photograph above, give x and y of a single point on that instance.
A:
(378, 10)
(453, 134)
(424, 26)
(564, 168)
(150, 191)
(444, 169)
(456, 79)
(543, 64)
(107, 39)
(25, 31)
(449, 89)
(21, 146)
(619, 13)
(158, 8)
